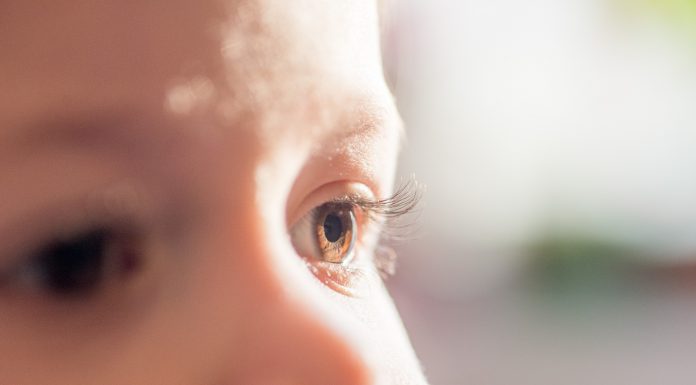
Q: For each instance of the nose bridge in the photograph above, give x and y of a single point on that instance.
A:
(293, 333)
(285, 329)
(294, 346)
(299, 336)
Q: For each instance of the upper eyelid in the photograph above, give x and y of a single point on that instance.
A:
(404, 200)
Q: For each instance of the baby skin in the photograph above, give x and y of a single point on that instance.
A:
(193, 193)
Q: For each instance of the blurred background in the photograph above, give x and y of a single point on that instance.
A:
(557, 141)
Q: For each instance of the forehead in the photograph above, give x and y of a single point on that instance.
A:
(261, 61)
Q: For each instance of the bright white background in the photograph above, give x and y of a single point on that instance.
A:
(529, 119)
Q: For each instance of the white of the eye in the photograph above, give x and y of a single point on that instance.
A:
(303, 238)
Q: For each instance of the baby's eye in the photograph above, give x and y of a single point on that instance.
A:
(327, 233)
(75, 266)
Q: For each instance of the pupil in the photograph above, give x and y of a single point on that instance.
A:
(68, 267)
(333, 228)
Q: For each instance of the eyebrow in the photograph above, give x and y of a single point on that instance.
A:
(131, 132)
(96, 129)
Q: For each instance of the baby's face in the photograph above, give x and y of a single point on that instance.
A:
(191, 194)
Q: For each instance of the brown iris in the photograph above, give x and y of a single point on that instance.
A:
(336, 232)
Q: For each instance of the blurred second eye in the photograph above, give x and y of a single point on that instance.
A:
(76, 266)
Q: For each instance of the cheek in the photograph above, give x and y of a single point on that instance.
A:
(389, 342)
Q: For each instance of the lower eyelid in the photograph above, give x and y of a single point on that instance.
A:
(350, 280)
